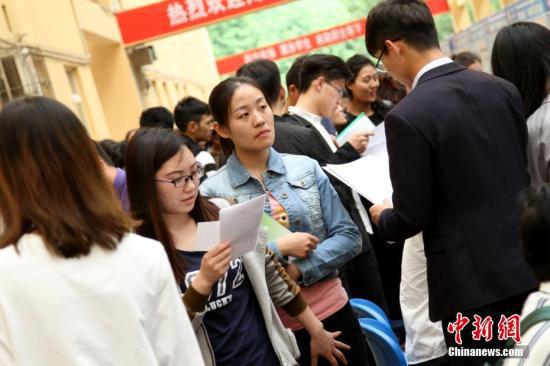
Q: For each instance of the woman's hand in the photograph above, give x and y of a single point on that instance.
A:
(298, 245)
(324, 344)
(214, 265)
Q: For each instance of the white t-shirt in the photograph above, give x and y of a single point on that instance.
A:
(118, 307)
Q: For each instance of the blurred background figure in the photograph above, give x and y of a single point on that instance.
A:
(292, 80)
(469, 60)
(194, 121)
(156, 117)
(363, 88)
(390, 91)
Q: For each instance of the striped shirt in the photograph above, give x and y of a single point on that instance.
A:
(537, 339)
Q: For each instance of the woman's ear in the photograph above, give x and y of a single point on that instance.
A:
(221, 130)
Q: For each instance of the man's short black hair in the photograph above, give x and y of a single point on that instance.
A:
(156, 117)
(266, 73)
(535, 231)
(408, 20)
(189, 109)
(329, 66)
(293, 74)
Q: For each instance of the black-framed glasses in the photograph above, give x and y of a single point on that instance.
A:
(182, 181)
(341, 91)
(379, 65)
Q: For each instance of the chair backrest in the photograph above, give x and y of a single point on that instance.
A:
(367, 309)
(380, 326)
(385, 349)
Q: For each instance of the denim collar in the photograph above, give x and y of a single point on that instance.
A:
(238, 175)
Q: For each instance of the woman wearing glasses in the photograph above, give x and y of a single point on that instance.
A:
(363, 89)
(231, 302)
(300, 197)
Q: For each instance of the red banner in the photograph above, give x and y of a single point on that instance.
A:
(294, 46)
(174, 16)
(309, 42)
(438, 6)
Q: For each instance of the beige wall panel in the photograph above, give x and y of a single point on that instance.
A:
(49, 23)
(96, 19)
(116, 86)
(98, 125)
(61, 88)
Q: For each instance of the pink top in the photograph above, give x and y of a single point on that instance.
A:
(325, 297)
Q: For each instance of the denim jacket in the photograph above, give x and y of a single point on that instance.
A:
(311, 202)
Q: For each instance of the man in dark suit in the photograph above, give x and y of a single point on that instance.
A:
(456, 145)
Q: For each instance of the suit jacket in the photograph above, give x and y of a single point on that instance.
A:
(294, 135)
(456, 145)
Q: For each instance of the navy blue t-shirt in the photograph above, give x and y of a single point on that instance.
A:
(233, 318)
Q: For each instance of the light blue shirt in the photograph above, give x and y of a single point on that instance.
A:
(311, 202)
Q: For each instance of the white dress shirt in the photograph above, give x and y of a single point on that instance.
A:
(315, 121)
(119, 307)
(430, 66)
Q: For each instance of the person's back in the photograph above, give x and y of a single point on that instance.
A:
(480, 143)
(521, 55)
(456, 147)
(106, 308)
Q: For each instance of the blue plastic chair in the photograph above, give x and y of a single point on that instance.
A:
(385, 349)
(367, 309)
(381, 326)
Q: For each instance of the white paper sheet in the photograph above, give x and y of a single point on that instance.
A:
(208, 235)
(369, 176)
(377, 143)
(240, 223)
(361, 124)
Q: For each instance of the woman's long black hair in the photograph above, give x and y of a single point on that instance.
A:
(521, 55)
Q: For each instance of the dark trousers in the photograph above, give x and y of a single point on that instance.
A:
(361, 278)
(345, 321)
(440, 361)
(506, 307)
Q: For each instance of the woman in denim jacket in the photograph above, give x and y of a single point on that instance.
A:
(300, 197)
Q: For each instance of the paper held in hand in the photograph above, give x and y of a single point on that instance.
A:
(370, 175)
(360, 124)
(238, 223)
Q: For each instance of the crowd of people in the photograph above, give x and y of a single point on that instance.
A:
(98, 264)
